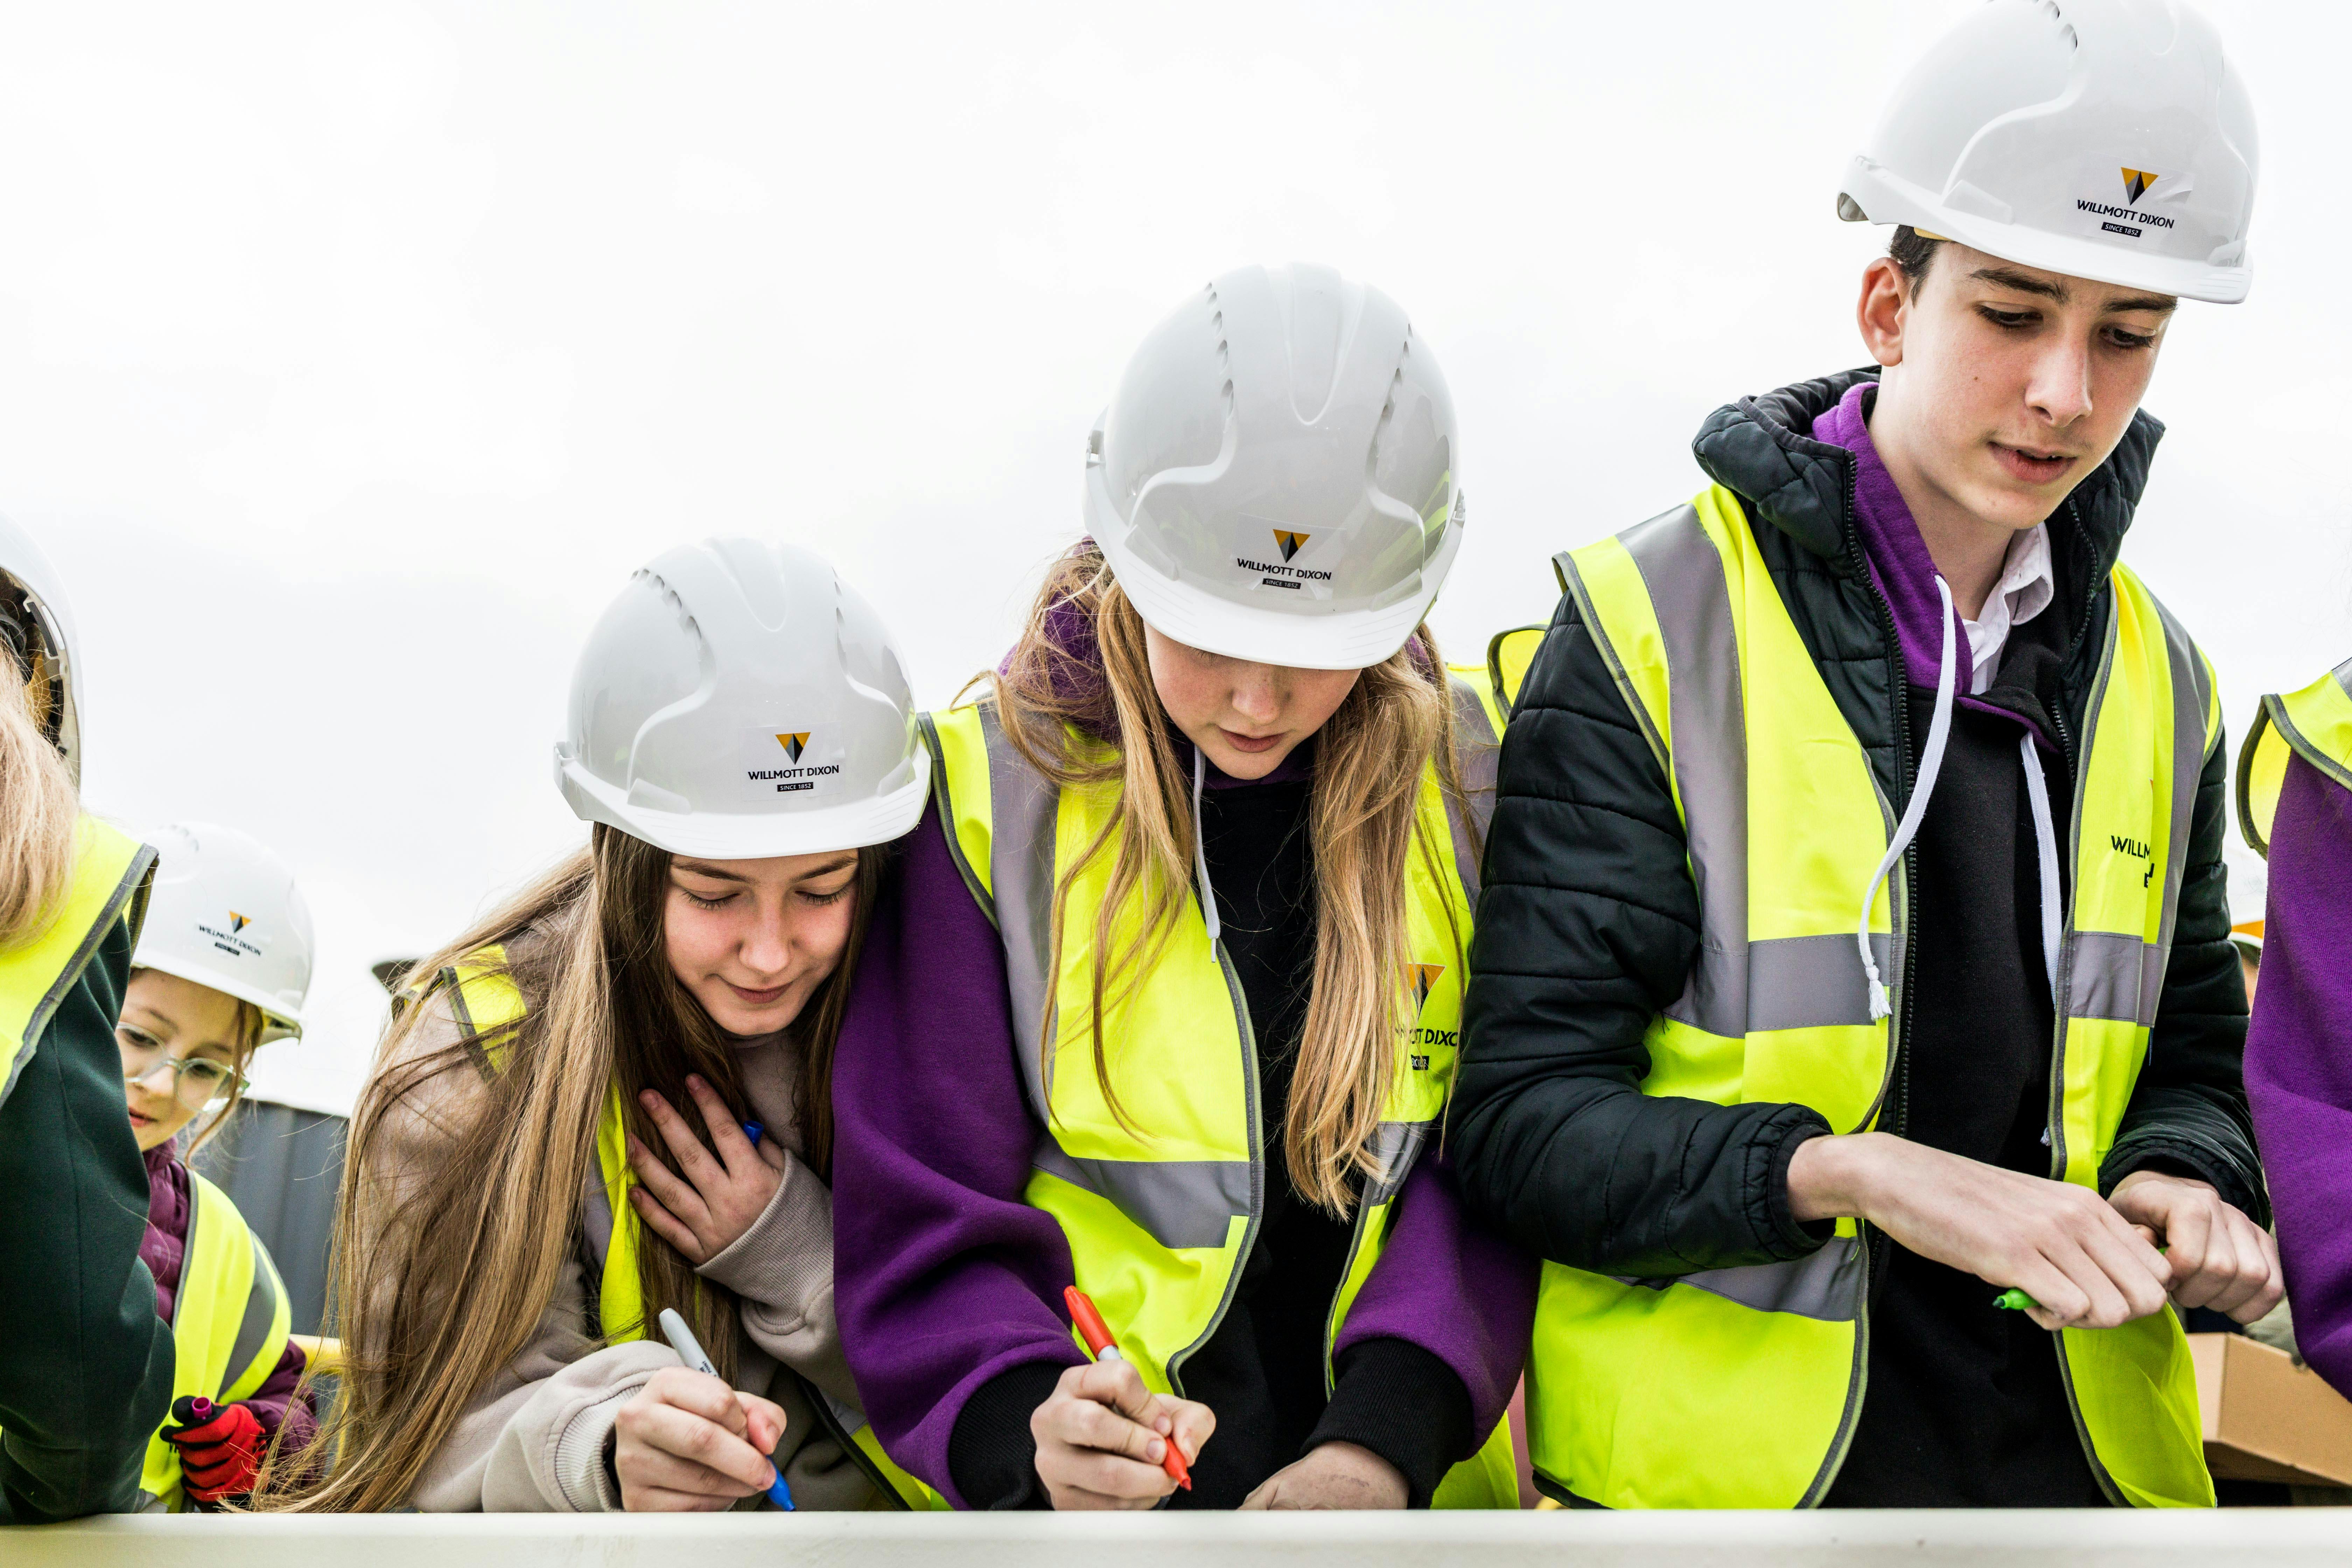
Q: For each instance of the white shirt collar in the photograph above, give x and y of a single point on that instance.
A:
(2026, 587)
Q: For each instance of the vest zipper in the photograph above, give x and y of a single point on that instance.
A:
(847, 1444)
(1257, 1168)
(2057, 1110)
(1894, 1085)
(1331, 1314)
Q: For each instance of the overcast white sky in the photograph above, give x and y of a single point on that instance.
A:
(351, 355)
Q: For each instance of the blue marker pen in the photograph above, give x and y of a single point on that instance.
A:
(689, 1351)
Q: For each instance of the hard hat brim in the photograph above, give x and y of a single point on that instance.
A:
(746, 836)
(1295, 639)
(1884, 199)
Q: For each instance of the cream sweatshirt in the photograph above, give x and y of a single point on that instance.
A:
(535, 1438)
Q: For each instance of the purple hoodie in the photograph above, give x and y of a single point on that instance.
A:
(1898, 559)
(945, 1277)
(2299, 1061)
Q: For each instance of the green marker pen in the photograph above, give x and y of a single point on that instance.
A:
(2016, 1300)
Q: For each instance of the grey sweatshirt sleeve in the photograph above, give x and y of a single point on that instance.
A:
(781, 1273)
(533, 1441)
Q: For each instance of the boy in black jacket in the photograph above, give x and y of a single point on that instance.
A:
(1995, 455)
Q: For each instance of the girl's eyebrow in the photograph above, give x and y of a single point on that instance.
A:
(704, 868)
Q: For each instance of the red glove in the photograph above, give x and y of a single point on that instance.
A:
(219, 1458)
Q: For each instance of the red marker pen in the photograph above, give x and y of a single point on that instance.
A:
(1096, 1333)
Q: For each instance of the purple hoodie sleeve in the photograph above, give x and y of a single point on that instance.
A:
(1459, 1293)
(274, 1404)
(943, 1272)
(2299, 1061)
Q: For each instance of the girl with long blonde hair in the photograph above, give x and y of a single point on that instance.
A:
(1182, 1043)
(608, 1100)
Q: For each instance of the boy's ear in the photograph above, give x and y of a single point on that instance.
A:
(1883, 311)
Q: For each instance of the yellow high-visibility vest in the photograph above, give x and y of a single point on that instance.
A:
(229, 1323)
(2316, 724)
(1160, 1208)
(109, 884)
(1740, 1387)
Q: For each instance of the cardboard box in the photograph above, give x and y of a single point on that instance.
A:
(2267, 1418)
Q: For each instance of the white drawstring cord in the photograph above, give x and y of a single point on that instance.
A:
(1201, 849)
(1931, 761)
(2046, 843)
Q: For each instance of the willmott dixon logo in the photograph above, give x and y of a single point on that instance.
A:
(2136, 185)
(1423, 979)
(229, 936)
(796, 778)
(1288, 543)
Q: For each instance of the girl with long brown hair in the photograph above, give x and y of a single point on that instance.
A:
(609, 1098)
(1184, 1044)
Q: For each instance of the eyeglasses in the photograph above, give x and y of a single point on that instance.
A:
(197, 1081)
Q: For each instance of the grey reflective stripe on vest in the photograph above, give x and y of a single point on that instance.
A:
(2115, 974)
(1811, 982)
(596, 1219)
(1683, 571)
(1737, 987)
(1178, 1203)
(1022, 803)
(261, 1313)
(1480, 754)
(1397, 1145)
(1826, 1284)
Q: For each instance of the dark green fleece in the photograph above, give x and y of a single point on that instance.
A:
(84, 1363)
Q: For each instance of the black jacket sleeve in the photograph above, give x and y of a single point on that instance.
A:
(84, 1363)
(2187, 1112)
(1587, 927)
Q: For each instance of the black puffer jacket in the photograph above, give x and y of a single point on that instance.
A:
(1589, 923)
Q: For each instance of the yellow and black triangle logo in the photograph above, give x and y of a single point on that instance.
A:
(794, 744)
(238, 922)
(1289, 541)
(2136, 182)
(1424, 977)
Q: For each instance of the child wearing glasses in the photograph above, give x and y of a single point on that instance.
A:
(221, 968)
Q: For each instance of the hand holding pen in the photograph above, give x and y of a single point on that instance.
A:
(1105, 1440)
(687, 1443)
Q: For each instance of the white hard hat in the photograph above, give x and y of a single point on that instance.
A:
(36, 611)
(2104, 138)
(1277, 479)
(225, 913)
(739, 700)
